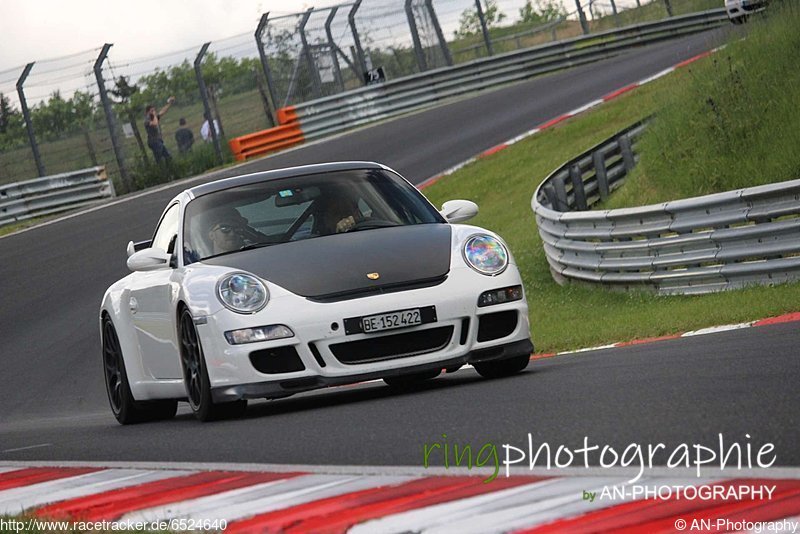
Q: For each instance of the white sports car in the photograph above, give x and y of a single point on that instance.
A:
(739, 10)
(269, 284)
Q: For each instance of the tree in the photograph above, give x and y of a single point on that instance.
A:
(54, 117)
(543, 12)
(124, 92)
(12, 127)
(7, 114)
(83, 107)
(469, 23)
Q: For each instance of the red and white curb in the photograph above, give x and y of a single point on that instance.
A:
(300, 501)
(786, 318)
(611, 96)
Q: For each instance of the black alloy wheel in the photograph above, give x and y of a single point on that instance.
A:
(125, 409)
(195, 376)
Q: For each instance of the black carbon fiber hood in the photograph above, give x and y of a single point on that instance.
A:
(327, 268)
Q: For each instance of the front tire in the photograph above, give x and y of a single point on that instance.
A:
(195, 376)
(125, 409)
(502, 368)
(412, 379)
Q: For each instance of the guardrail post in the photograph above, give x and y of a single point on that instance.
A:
(111, 120)
(582, 17)
(337, 73)
(362, 63)
(27, 116)
(198, 72)
(412, 24)
(578, 191)
(262, 25)
(668, 5)
(561, 204)
(599, 162)
(439, 35)
(484, 28)
(627, 153)
(316, 83)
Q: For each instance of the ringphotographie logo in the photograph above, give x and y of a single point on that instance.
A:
(725, 454)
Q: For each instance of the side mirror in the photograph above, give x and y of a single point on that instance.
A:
(456, 211)
(149, 259)
(136, 247)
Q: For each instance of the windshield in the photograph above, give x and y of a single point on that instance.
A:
(304, 207)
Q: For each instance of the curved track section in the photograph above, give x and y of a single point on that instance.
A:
(53, 403)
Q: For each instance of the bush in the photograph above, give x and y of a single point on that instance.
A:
(146, 173)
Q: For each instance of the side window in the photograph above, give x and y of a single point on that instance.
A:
(167, 229)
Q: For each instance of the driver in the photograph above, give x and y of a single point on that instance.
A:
(337, 213)
(226, 228)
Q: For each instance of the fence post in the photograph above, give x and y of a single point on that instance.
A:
(668, 5)
(316, 84)
(362, 63)
(337, 73)
(262, 25)
(448, 59)
(111, 121)
(198, 71)
(27, 115)
(616, 14)
(582, 17)
(421, 62)
(484, 28)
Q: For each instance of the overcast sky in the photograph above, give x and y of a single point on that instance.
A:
(35, 30)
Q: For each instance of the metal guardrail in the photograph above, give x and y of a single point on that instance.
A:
(690, 246)
(53, 194)
(331, 115)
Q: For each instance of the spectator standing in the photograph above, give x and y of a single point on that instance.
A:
(152, 125)
(184, 137)
(205, 129)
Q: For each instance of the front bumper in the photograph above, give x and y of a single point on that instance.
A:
(320, 334)
(290, 386)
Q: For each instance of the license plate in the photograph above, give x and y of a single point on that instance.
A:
(388, 321)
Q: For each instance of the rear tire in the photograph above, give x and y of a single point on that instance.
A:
(411, 379)
(502, 368)
(125, 409)
(195, 376)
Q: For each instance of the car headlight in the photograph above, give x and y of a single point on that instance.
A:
(242, 293)
(486, 254)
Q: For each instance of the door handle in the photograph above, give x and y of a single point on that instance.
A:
(134, 305)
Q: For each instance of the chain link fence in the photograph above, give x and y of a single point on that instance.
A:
(88, 109)
(49, 122)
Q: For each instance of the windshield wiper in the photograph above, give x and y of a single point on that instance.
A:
(251, 246)
(369, 225)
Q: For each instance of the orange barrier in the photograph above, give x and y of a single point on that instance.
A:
(287, 115)
(255, 144)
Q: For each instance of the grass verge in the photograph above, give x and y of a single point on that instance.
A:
(732, 122)
(571, 317)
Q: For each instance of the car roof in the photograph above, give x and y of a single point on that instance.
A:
(276, 174)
